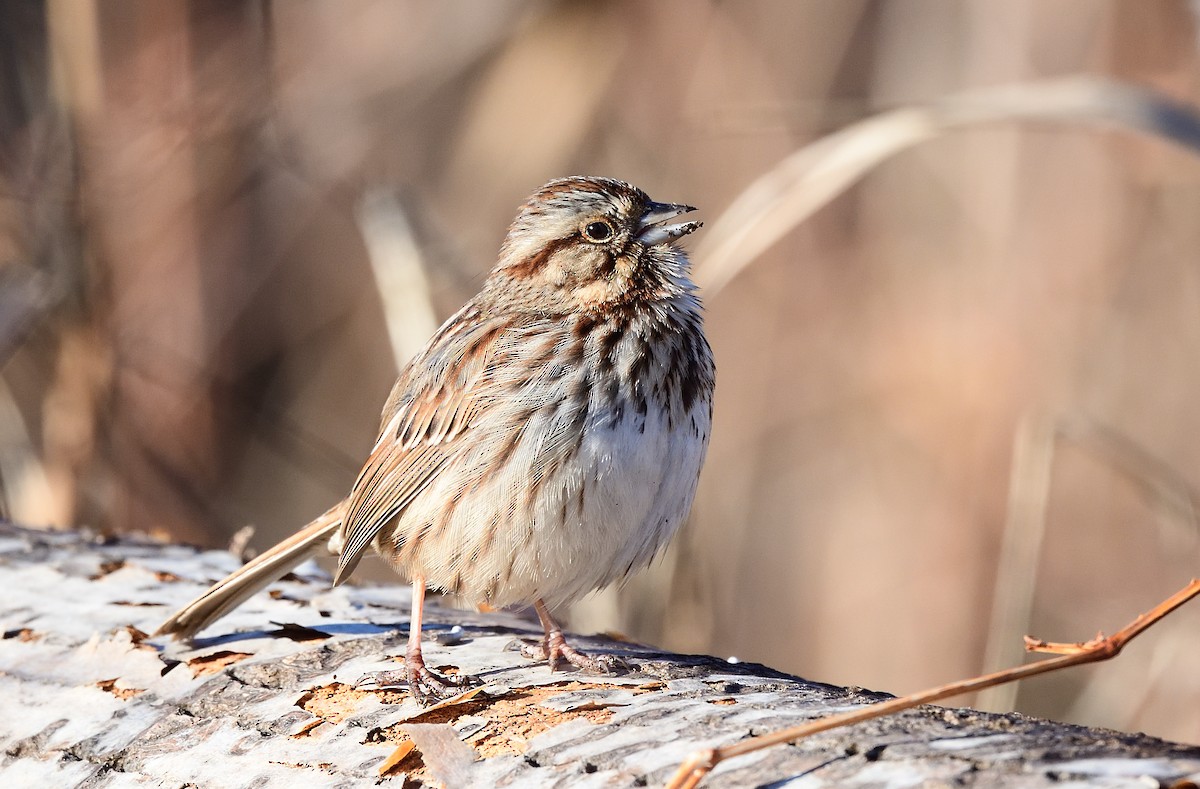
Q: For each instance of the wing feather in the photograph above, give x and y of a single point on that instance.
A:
(428, 417)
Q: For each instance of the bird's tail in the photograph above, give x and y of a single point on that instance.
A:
(262, 570)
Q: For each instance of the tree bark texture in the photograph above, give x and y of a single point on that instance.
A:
(271, 696)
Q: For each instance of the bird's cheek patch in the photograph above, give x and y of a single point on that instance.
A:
(554, 272)
(594, 293)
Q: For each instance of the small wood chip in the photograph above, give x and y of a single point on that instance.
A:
(400, 754)
(307, 727)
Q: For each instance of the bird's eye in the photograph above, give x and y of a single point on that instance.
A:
(598, 231)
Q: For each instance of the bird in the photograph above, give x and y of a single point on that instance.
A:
(546, 441)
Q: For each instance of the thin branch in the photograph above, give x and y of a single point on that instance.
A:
(1036, 444)
(701, 763)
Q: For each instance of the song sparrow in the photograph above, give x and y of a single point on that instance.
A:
(546, 441)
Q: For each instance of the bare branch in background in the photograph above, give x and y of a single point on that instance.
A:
(399, 269)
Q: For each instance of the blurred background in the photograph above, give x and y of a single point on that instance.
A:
(955, 404)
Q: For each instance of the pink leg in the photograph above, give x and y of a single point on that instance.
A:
(555, 648)
(423, 683)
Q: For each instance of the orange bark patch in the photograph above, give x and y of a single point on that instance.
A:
(511, 719)
(335, 701)
(110, 686)
(514, 718)
(211, 664)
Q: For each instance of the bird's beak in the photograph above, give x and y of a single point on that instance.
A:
(651, 231)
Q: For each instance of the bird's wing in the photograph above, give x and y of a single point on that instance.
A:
(428, 414)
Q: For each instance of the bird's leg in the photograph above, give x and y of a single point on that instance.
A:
(425, 684)
(554, 647)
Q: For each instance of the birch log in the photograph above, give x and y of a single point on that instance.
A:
(270, 696)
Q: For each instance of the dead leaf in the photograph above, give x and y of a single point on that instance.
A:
(449, 760)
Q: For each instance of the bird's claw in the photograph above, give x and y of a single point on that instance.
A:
(424, 684)
(554, 650)
(428, 686)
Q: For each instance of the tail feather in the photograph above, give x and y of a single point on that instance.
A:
(253, 577)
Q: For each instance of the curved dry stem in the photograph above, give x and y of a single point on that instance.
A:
(814, 175)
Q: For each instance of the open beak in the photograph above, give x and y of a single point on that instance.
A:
(651, 229)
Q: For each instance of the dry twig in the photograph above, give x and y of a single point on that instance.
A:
(701, 763)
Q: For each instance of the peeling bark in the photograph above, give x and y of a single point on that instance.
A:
(268, 697)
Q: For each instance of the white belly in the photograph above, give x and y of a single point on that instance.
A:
(592, 520)
(598, 527)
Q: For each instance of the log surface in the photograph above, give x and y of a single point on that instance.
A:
(268, 697)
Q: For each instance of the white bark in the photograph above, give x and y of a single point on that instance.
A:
(86, 701)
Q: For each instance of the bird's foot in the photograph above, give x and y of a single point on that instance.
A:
(554, 649)
(426, 685)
